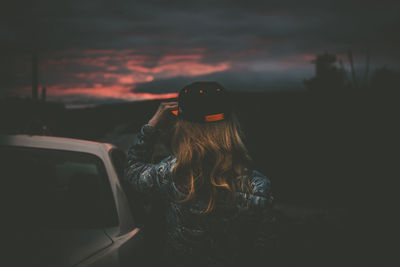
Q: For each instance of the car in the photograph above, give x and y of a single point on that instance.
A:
(66, 205)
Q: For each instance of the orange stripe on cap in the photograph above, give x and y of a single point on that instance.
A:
(215, 117)
(175, 112)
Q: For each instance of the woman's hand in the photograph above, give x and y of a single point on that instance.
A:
(162, 113)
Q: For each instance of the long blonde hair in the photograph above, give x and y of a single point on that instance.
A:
(211, 157)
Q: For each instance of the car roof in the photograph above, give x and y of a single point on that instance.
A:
(52, 142)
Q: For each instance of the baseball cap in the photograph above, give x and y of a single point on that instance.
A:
(203, 101)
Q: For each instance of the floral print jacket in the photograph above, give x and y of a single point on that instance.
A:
(220, 236)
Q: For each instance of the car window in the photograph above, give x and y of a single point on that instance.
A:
(55, 188)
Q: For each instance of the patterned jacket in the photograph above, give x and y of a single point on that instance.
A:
(224, 236)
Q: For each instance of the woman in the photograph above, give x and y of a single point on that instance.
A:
(217, 207)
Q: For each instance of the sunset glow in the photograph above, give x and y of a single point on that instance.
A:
(116, 73)
(114, 92)
(74, 76)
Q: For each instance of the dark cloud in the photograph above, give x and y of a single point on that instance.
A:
(223, 27)
(233, 81)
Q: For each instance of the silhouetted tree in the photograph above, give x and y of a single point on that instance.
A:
(34, 76)
(43, 94)
(329, 78)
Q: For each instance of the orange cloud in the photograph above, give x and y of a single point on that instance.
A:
(116, 72)
(100, 91)
(179, 65)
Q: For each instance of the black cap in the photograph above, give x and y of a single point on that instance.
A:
(203, 101)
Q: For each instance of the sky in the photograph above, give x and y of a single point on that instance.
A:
(97, 51)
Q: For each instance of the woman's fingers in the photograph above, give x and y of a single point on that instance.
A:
(171, 106)
(169, 103)
(162, 112)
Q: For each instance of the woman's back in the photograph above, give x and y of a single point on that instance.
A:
(216, 208)
(225, 236)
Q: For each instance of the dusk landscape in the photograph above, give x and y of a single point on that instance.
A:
(315, 85)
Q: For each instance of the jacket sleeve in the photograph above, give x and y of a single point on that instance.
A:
(140, 173)
(262, 213)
